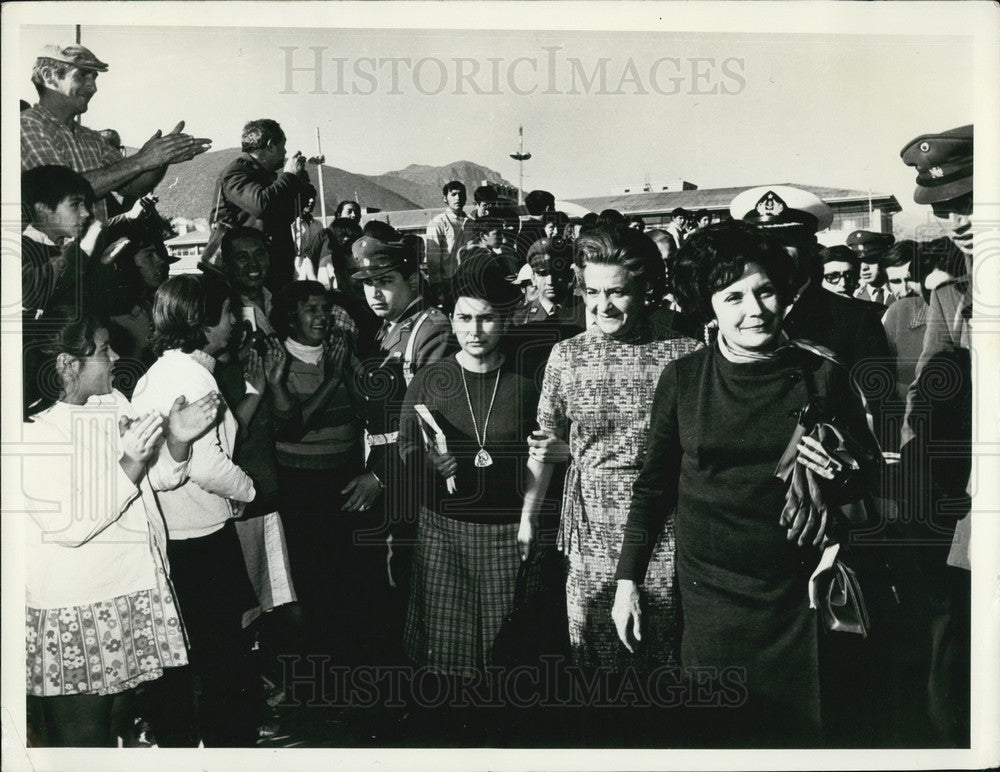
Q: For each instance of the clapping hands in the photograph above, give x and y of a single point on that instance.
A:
(335, 352)
(188, 421)
(275, 362)
(164, 149)
(140, 436)
(253, 371)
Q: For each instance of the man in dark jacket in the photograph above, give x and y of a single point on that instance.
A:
(265, 190)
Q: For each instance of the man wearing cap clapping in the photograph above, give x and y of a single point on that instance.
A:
(65, 77)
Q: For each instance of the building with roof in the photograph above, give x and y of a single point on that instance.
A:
(187, 247)
(852, 209)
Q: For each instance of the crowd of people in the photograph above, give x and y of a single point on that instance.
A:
(652, 455)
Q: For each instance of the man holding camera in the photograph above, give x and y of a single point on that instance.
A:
(265, 190)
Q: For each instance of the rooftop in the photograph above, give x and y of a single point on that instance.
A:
(190, 238)
(713, 199)
(716, 199)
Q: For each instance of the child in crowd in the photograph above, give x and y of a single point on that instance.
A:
(326, 493)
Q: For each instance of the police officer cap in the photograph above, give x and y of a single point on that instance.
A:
(782, 207)
(374, 257)
(869, 245)
(943, 163)
(552, 254)
(76, 55)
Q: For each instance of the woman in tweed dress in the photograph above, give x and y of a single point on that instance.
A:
(596, 394)
(466, 559)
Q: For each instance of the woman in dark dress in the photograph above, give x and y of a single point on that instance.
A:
(467, 556)
(721, 419)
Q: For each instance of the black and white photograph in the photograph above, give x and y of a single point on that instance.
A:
(500, 385)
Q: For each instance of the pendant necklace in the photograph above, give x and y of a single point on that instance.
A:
(483, 458)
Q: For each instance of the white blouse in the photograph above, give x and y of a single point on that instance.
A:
(92, 534)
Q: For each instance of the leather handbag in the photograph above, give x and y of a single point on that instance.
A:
(537, 624)
(835, 593)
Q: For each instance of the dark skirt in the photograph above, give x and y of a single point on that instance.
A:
(462, 588)
(759, 657)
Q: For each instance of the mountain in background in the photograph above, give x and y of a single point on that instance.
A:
(190, 189)
(423, 184)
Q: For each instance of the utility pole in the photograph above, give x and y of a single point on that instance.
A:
(78, 119)
(520, 156)
(319, 166)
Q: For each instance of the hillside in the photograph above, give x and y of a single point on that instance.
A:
(189, 189)
(423, 183)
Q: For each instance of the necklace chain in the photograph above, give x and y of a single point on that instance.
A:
(468, 400)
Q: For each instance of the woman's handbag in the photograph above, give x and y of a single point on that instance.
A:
(835, 593)
(537, 624)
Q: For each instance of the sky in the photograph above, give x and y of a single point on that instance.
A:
(712, 107)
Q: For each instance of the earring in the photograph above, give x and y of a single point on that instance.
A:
(709, 332)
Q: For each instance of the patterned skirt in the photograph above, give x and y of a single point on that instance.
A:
(105, 647)
(595, 507)
(462, 588)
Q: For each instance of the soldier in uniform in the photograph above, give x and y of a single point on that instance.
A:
(413, 334)
(551, 261)
(937, 435)
(871, 247)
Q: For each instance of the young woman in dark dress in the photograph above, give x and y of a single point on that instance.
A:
(467, 556)
(721, 419)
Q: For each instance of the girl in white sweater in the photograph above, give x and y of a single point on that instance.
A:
(100, 612)
(193, 323)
